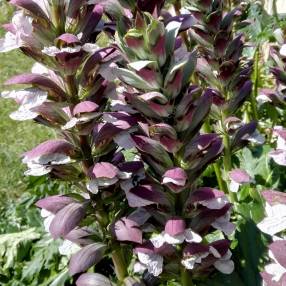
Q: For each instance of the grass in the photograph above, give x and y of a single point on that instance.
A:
(15, 137)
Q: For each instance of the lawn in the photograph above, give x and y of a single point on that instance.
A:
(15, 137)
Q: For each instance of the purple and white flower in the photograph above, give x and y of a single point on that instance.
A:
(238, 178)
(279, 154)
(52, 152)
(19, 33)
(275, 272)
(105, 174)
(29, 99)
(175, 233)
(275, 208)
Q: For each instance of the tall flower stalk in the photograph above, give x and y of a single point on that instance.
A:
(156, 88)
(222, 67)
(70, 94)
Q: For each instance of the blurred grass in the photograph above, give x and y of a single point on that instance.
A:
(15, 137)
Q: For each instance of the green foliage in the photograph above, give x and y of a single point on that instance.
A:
(28, 255)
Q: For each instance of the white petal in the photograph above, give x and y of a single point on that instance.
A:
(139, 268)
(225, 267)
(256, 138)
(276, 270)
(177, 239)
(70, 124)
(234, 186)
(102, 182)
(279, 157)
(283, 51)
(158, 240)
(153, 262)
(90, 48)
(38, 170)
(47, 222)
(23, 114)
(32, 97)
(71, 50)
(45, 213)
(189, 262)
(53, 159)
(124, 175)
(191, 236)
(262, 98)
(68, 248)
(272, 225)
(8, 43)
(281, 143)
(278, 210)
(92, 186)
(39, 69)
(51, 51)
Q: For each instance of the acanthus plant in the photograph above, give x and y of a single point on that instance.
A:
(156, 84)
(69, 94)
(223, 68)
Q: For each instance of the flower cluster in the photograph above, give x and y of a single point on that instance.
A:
(156, 87)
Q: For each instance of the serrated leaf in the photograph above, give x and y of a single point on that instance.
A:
(14, 246)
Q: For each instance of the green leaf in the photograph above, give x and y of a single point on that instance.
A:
(172, 30)
(14, 246)
(250, 253)
(223, 280)
(132, 79)
(61, 278)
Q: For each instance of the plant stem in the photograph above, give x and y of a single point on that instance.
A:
(217, 169)
(119, 264)
(71, 88)
(86, 151)
(221, 183)
(227, 163)
(186, 279)
(255, 79)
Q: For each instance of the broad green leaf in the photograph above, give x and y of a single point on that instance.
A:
(14, 246)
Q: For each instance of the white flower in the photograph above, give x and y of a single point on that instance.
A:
(225, 265)
(153, 262)
(188, 235)
(275, 221)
